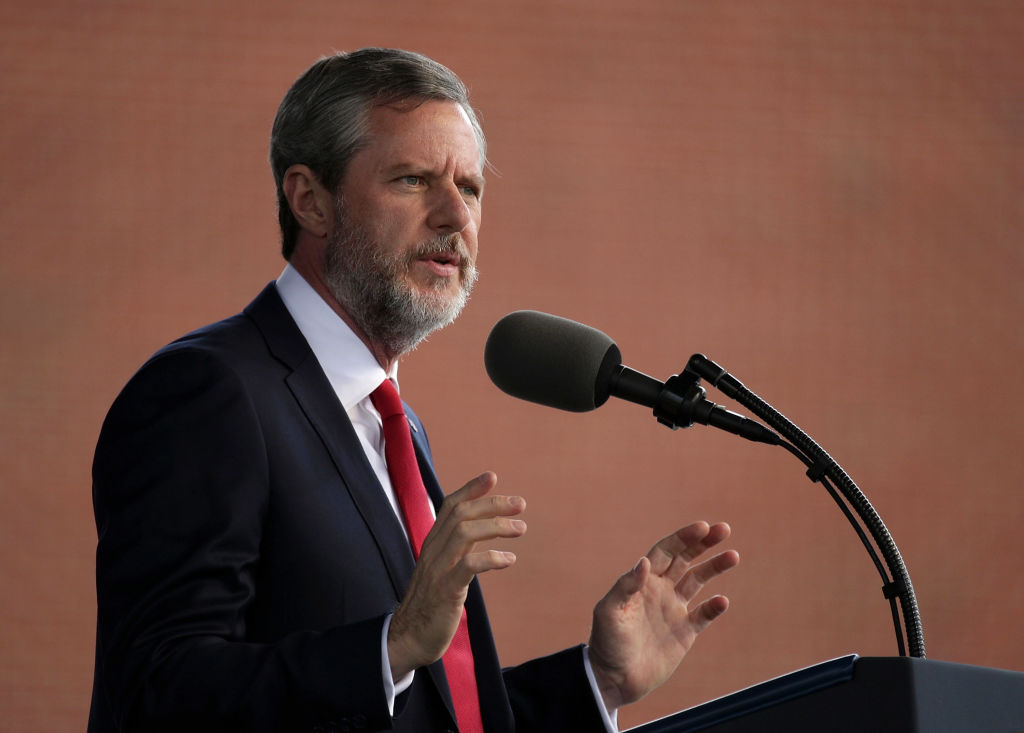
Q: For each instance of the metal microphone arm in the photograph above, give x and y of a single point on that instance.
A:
(822, 465)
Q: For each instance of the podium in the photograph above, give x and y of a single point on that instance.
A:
(853, 695)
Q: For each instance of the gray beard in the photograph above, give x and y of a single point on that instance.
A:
(371, 286)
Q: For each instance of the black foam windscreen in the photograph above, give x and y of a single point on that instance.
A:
(551, 360)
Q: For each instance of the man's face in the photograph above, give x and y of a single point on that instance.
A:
(401, 256)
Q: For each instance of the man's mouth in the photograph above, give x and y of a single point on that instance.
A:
(446, 258)
(443, 258)
(443, 264)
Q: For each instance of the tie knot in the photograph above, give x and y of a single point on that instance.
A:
(385, 398)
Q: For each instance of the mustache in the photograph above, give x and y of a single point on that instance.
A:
(449, 244)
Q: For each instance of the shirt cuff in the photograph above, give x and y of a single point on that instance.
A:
(610, 717)
(392, 687)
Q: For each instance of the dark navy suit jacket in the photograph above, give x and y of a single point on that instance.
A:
(247, 557)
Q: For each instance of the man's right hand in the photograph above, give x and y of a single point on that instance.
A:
(425, 622)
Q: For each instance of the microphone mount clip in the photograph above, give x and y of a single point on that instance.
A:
(682, 401)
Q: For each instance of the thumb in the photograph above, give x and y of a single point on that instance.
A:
(632, 581)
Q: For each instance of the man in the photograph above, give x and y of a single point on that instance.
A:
(262, 563)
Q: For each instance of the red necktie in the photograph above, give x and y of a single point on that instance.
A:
(412, 498)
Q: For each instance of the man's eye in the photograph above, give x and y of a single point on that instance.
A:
(412, 180)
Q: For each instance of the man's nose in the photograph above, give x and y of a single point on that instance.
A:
(449, 211)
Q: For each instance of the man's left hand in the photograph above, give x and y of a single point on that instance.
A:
(645, 625)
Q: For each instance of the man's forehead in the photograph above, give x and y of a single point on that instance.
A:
(423, 127)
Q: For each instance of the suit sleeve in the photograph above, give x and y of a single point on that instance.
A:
(180, 491)
(552, 694)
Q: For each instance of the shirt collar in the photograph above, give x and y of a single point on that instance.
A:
(350, 367)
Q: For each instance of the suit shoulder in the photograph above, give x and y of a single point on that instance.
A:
(261, 336)
(233, 354)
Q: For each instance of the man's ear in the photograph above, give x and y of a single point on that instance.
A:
(311, 204)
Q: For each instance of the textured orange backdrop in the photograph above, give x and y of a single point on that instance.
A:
(826, 197)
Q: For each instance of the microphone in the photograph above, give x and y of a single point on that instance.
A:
(560, 363)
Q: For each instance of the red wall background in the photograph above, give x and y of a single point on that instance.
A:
(825, 197)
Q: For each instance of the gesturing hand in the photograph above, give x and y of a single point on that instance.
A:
(425, 622)
(644, 626)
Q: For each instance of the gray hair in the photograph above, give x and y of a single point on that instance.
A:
(323, 119)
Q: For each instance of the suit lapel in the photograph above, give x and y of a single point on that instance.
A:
(424, 459)
(313, 393)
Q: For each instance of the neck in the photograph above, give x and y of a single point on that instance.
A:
(312, 274)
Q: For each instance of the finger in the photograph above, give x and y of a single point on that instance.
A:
(682, 545)
(470, 532)
(481, 562)
(702, 616)
(468, 516)
(471, 564)
(494, 505)
(452, 560)
(474, 488)
(465, 523)
(697, 576)
(629, 583)
(472, 501)
(447, 545)
(673, 554)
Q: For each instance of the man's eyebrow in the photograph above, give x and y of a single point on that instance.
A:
(475, 179)
(410, 166)
(404, 166)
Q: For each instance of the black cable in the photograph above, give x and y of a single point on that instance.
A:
(900, 586)
(845, 510)
(855, 523)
